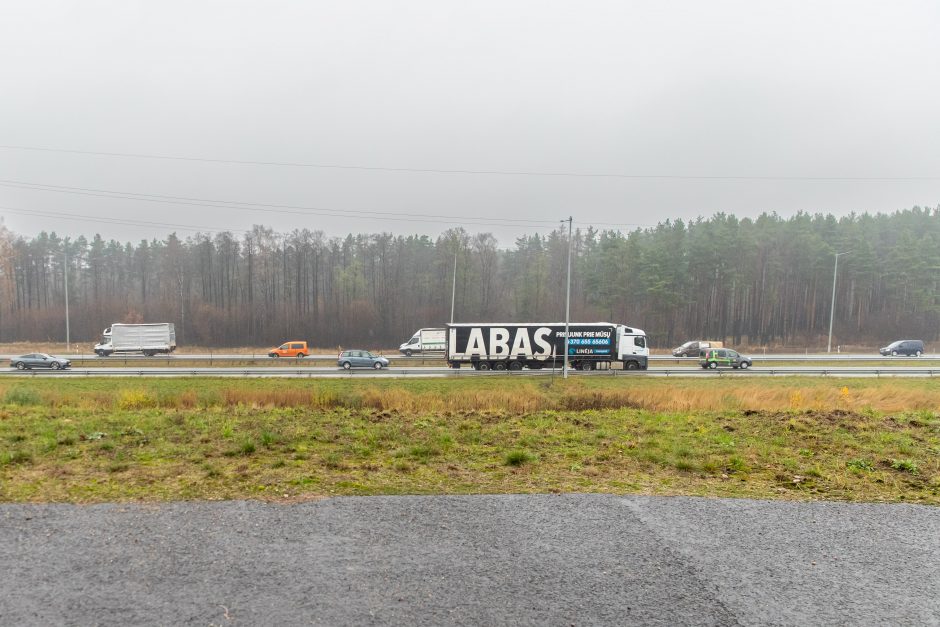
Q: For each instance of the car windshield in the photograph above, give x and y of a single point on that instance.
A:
(687, 344)
(44, 355)
(894, 344)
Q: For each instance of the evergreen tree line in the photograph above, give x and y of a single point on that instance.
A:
(747, 281)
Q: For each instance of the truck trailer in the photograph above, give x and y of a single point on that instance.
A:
(425, 341)
(536, 345)
(149, 339)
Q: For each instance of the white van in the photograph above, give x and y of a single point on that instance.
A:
(425, 341)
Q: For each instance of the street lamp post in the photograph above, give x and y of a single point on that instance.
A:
(68, 337)
(453, 293)
(832, 308)
(567, 300)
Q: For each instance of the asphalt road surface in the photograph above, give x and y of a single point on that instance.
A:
(548, 559)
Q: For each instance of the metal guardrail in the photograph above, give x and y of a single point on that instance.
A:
(448, 372)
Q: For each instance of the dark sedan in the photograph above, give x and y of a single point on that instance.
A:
(39, 360)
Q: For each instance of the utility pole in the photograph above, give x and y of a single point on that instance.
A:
(832, 308)
(453, 293)
(68, 337)
(564, 372)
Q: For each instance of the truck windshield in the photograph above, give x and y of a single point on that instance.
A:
(413, 340)
(640, 341)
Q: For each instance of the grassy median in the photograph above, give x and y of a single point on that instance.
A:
(93, 440)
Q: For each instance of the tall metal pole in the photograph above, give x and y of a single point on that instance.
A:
(453, 293)
(567, 301)
(68, 337)
(832, 308)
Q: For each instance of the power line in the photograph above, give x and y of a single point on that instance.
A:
(671, 177)
(289, 209)
(120, 221)
(250, 206)
(79, 217)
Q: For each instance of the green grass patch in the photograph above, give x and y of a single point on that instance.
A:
(91, 440)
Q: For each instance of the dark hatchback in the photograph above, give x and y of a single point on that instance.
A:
(904, 347)
(39, 360)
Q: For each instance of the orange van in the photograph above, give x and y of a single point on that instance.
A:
(290, 349)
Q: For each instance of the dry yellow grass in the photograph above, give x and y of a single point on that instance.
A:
(514, 395)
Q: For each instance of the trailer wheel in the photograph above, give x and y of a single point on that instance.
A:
(499, 365)
(515, 365)
(483, 365)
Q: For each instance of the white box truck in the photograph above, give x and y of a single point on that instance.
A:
(148, 339)
(514, 346)
(425, 341)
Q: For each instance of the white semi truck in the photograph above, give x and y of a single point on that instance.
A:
(425, 341)
(149, 339)
(514, 346)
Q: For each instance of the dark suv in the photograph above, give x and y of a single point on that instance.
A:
(904, 347)
(694, 348)
(724, 357)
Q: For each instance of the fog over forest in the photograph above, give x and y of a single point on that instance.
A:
(755, 282)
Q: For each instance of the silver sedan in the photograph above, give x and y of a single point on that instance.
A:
(39, 360)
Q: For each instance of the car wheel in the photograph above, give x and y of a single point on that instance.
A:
(300, 355)
(408, 353)
(917, 353)
(275, 356)
(20, 366)
(515, 366)
(56, 365)
(484, 365)
(894, 353)
(745, 365)
(346, 365)
(713, 365)
(377, 365)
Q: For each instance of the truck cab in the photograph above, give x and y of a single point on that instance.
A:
(632, 348)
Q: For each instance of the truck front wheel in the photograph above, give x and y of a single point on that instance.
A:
(408, 352)
(631, 365)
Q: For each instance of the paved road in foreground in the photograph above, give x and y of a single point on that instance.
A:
(571, 559)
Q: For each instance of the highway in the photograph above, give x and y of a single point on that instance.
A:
(398, 358)
(411, 372)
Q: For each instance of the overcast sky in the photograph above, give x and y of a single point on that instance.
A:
(796, 90)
